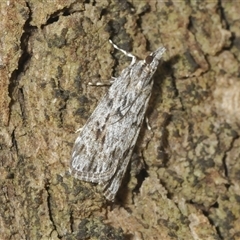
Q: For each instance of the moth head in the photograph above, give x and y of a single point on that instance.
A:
(149, 59)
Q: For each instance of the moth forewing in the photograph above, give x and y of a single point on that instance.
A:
(102, 150)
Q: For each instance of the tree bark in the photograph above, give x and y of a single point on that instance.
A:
(189, 188)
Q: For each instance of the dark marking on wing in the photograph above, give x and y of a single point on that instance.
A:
(110, 103)
(124, 101)
(107, 117)
(125, 153)
(82, 146)
(134, 124)
(103, 139)
(119, 113)
(98, 134)
(113, 153)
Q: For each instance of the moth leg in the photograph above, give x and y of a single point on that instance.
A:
(79, 130)
(102, 84)
(148, 125)
(134, 59)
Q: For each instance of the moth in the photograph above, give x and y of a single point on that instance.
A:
(104, 147)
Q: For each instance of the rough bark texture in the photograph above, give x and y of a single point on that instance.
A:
(49, 52)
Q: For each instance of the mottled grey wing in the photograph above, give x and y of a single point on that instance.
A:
(104, 147)
(106, 142)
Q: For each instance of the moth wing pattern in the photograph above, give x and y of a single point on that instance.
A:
(104, 146)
